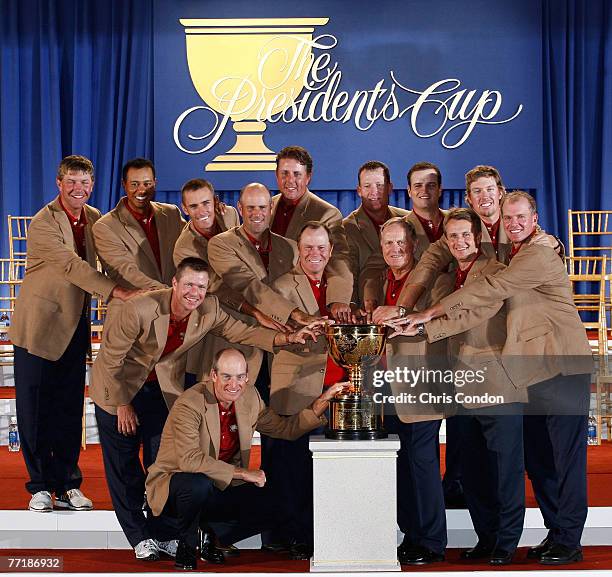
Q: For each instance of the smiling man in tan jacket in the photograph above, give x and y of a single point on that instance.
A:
(51, 336)
(139, 373)
(201, 473)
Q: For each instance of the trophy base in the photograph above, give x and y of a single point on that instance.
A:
(355, 435)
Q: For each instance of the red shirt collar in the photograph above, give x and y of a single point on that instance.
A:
(82, 219)
(377, 223)
(139, 217)
(214, 231)
(257, 244)
(433, 233)
(461, 275)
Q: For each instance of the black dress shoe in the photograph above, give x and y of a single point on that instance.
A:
(276, 547)
(558, 554)
(536, 552)
(186, 557)
(211, 554)
(501, 557)
(480, 551)
(300, 552)
(420, 556)
(229, 551)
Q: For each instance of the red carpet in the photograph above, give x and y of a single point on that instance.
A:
(14, 496)
(252, 561)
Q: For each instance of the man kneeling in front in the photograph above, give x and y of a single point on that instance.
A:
(200, 474)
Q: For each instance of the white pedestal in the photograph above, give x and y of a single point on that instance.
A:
(355, 519)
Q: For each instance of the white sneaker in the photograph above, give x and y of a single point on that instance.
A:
(167, 547)
(73, 499)
(147, 550)
(41, 502)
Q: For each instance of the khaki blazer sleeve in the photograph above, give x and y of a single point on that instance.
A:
(338, 270)
(47, 243)
(185, 425)
(236, 273)
(532, 267)
(120, 333)
(369, 277)
(117, 260)
(289, 428)
(235, 331)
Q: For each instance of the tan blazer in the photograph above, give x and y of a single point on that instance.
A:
(57, 283)
(191, 438)
(363, 240)
(438, 256)
(200, 357)
(311, 207)
(125, 252)
(297, 372)
(134, 338)
(545, 336)
(414, 353)
(375, 265)
(480, 348)
(237, 262)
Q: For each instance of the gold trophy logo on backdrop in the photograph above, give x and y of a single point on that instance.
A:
(249, 69)
(355, 348)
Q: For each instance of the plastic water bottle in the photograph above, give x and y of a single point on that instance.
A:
(4, 325)
(14, 444)
(592, 431)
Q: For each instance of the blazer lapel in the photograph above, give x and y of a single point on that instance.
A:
(165, 252)
(161, 321)
(254, 258)
(298, 216)
(134, 229)
(211, 417)
(245, 429)
(366, 226)
(62, 220)
(302, 287)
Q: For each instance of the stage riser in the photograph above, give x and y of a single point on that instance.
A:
(100, 530)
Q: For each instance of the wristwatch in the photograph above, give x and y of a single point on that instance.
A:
(402, 311)
(421, 330)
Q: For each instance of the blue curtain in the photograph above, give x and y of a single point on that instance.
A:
(577, 76)
(76, 78)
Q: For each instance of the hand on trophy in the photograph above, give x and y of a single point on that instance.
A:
(386, 313)
(341, 313)
(302, 318)
(311, 330)
(319, 406)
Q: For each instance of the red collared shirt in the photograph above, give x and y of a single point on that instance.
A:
(214, 231)
(333, 372)
(283, 215)
(493, 230)
(229, 443)
(433, 233)
(264, 251)
(378, 223)
(394, 288)
(147, 222)
(78, 229)
(515, 248)
(175, 338)
(461, 275)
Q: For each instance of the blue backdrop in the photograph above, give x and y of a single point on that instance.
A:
(108, 79)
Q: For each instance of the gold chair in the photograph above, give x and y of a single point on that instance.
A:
(18, 235)
(587, 275)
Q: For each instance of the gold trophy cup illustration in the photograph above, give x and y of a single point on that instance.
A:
(352, 412)
(248, 70)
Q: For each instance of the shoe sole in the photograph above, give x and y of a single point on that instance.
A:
(576, 559)
(148, 558)
(40, 510)
(61, 505)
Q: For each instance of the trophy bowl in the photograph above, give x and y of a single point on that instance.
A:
(352, 412)
(249, 69)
